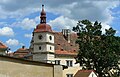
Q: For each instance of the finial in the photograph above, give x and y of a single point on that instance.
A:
(42, 5)
(43, 15)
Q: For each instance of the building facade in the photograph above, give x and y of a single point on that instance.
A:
(16, 67)
(54, 47)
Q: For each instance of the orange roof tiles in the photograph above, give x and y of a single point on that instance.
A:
(65, 52)
(43, 28)
(22, 50)
(83, 73)
(63, 47)
(2, 45)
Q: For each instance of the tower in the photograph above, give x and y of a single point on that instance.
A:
(42, 44)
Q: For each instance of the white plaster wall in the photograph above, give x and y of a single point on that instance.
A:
(40, 57)
(48, 48)
(44, 48)
(70, 70)
(92, 74)
(45, 37)
(48, 39)
(57, 71)
(43, 57)
(50, 56)
(37, 40)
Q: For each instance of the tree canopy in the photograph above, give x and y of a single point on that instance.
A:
(97, 50)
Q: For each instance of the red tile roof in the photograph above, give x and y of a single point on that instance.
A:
(2, 46)
(63, 47)
(21, 52)
(83, 73)
(60, 52)
(43, 28)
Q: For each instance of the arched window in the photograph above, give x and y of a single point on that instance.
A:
(40, 48)
(50, 37)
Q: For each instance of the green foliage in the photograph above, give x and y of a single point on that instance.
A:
(97, 51)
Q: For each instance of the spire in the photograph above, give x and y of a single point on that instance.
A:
(43, 15)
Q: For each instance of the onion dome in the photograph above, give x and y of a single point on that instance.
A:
(43, 27)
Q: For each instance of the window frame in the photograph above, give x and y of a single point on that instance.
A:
(40, 48)
(69, 63)
(50, 48)
(57, 62)
(69, 75)
(50, 37)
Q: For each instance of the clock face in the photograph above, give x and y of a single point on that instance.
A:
(40, 37)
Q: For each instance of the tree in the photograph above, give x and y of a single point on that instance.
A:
(98, 51)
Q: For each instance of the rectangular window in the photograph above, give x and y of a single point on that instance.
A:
(69, 75)
(69, 63)
(57, 62)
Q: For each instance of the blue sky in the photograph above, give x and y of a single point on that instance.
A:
(18, 18)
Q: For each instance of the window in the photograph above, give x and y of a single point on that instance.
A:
(40, 37)
(50, 37)
(39, 47)
(69, 63)
(69, 75)
(92, 75)
(50, 48)
(57, 62)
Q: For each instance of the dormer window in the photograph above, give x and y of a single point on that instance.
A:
(40, 37)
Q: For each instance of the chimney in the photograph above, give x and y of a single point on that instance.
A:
(66, 34)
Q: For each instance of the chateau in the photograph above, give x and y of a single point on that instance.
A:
(51, 47)
(54, 47)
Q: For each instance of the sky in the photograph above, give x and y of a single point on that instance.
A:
(18, 18)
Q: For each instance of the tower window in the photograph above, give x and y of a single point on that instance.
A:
(40, 37)
(40, 48)
(50, 48)
(50, 37)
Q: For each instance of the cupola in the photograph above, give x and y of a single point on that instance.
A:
(43, 27)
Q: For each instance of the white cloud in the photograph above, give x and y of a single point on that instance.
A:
(67, 23)
(28, 35)
(104, 26)
(26, 24)
(84, 9)
(78, 9)
(67, 9)
(62, 23)
(6, 31)
(18, 8)
(12, 42)
(73, 11)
